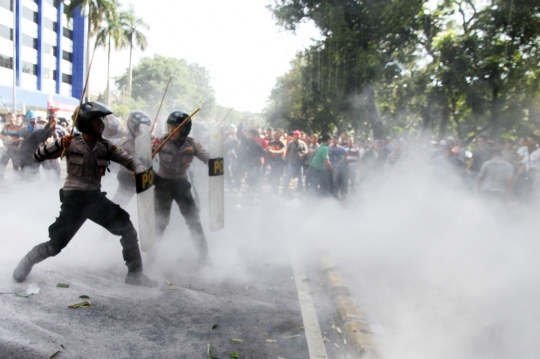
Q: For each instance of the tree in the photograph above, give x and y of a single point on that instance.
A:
(97, 11)
(135, 37)
(112, 31)
(189, 88)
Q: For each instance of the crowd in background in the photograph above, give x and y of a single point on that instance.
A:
(325, 165)
(337, 165)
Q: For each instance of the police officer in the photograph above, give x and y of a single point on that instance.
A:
(87, 157)
(138, 122)
(171, 181)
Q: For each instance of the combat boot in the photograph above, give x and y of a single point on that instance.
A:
(36, 255)
(138, 278)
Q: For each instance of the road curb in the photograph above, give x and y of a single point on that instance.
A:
(352, 320)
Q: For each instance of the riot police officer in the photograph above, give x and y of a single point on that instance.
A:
(171, 181)
(87, 157)
(137, 122)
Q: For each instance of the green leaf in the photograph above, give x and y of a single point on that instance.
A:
(236, 340)
(63, 347)
(168, 282)
(84, 296)
(55, 354)
(85, 304)
(62, 285)
(21, 295)
(214, 326)
(235, 355)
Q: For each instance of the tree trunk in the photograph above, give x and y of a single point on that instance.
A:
(108, 74)
(445, 120)
(494, 133)
(373, 115)
(130, 68)
(426, 120)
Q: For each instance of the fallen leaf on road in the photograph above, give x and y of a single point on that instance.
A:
(271, 340)
(293, 336)
(84, 296)
(85, 304)
(208, 353)
(173, 288)
(236, 340)
(21, 295)
(55, 354)
(336, 345)
(63, 347)
(339, 330)
(214, 326)
(168, 282)
(333, 326)
(265, 333)
(62, 285)
(235, 355)
(324, 339)
(307, 280)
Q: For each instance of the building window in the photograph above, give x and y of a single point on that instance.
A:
(6, 61)
(49, 24)
(50, 2)
(6, 4)
(29, 68)
(66, 78)
(29, 41)
(68, 33)
(29, 14)
(49, 49)
(6, 32)
(46, 73)
(68, 56)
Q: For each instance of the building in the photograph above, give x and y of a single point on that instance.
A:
(50, 56)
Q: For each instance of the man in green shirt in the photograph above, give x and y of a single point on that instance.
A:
(316, 176)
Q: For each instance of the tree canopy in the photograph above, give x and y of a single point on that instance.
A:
(463, 67)
(190, 85)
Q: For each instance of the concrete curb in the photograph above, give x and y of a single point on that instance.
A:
(353, 322)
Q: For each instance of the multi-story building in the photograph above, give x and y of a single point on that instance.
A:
(50, 56)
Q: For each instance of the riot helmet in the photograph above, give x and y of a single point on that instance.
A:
(135, 119)
(90, 110)
(176, 118)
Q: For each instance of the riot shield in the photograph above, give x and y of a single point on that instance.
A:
(144, 176)
(216, 183)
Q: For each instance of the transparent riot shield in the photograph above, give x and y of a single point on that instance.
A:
(145, 189)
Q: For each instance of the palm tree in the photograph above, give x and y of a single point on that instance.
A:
(113, 31)
(134, 38)
(97, 11)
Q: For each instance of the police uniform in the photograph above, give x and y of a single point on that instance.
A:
(82, 199)
(171, 183)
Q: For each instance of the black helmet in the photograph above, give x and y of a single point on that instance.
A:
(137, 118)
(88, 111)
(176, 118)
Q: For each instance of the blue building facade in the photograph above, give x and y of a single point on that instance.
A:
(50, 55)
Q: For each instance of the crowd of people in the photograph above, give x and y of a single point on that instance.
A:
(324, 165)
(335, 165)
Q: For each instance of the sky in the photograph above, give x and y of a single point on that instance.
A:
(238, 42)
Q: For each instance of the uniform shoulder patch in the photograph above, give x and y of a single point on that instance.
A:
(116, 149)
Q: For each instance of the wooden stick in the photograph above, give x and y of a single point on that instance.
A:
(81, 100)
(159, 108)
(175, 130)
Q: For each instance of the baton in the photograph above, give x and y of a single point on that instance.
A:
(174, 131)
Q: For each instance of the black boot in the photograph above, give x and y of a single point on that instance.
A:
(36, 255)
(138, 278)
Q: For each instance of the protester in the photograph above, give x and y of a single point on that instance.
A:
(319, 181)
(296, 151)
(352, 159)
(337, 156)
(495, 178)
(10, 136)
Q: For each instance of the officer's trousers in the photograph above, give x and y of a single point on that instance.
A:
(126, 189)
(77, 207)
(178, 190)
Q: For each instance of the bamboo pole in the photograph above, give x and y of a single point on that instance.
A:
(81, 100)
(159, 108)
